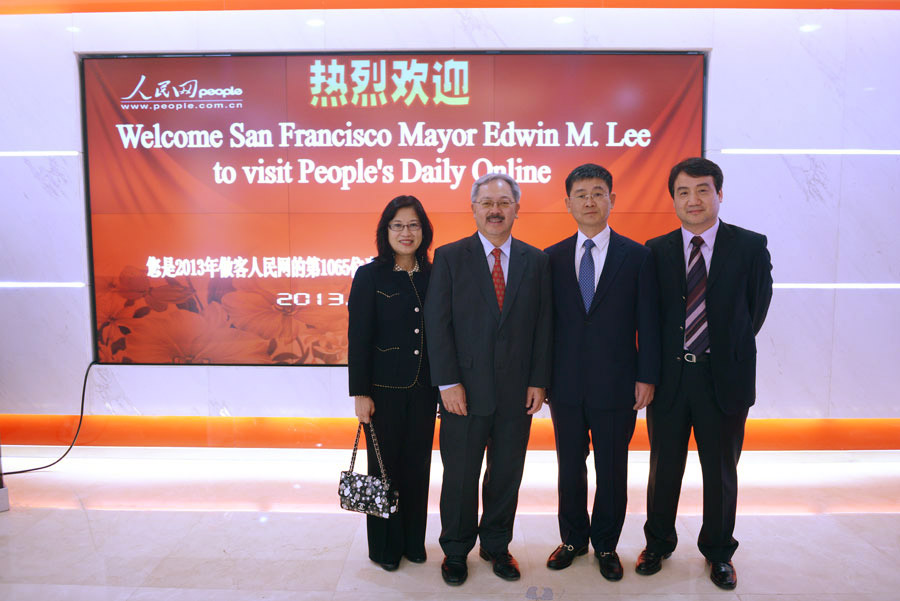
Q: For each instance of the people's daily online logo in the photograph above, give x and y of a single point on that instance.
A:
(168, 95)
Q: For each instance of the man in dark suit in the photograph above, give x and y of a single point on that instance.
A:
(708, 378)
(605, 300)
(488, 321)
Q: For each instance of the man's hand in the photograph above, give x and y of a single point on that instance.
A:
(534, 398)
(454, 400)
(365, 409)
(643, 395)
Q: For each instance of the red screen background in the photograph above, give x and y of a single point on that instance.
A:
(165, 202)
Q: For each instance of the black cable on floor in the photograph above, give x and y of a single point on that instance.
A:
(77, 431)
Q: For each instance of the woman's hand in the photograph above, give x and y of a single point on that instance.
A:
(365, 408)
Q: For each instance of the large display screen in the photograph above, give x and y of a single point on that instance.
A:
(232, 198)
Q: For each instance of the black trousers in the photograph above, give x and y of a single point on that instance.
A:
(464, 439)
(404, 425)
(719, 440)
(575, 428)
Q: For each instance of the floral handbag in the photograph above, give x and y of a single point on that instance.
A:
(367, 494)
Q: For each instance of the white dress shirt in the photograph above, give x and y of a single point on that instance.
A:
(706, 249)
(709, 239)
(601, 246)
(504, 254)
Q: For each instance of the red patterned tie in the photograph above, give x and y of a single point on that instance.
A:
(497, 275)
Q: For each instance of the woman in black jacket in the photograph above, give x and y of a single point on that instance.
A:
(389, 376)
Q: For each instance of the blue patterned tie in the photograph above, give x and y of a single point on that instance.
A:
(586, 274)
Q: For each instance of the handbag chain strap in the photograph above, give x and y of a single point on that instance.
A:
(377, 453)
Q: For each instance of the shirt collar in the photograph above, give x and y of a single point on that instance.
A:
(601, 240)
(709, 236)
(489, 246)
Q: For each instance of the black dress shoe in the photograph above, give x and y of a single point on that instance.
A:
(649, 562)
(505, 565)
(564, 556)
(416, 558)
(388, 566)
(454, 570)
(722, 574)
(610, 566)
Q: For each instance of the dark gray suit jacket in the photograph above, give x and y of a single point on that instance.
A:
(495, 355)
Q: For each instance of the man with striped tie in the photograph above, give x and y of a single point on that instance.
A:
(715, 285)
(605, 366)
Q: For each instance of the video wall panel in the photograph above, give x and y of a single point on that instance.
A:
(232, 198)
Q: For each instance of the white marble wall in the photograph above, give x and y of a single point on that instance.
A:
(829, 218)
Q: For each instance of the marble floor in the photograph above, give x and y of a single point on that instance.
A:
(137, 524)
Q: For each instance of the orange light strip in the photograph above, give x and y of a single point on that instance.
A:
(338, 433)
(91, 6)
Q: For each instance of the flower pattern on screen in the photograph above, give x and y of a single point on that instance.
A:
(194, 320)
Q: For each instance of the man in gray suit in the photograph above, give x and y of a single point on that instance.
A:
(488, 324)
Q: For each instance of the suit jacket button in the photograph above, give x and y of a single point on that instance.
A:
(678, 358)
(679, 327)
(416, 331)
(416, 309)
(416, 352)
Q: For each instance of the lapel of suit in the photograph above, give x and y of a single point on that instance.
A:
(517, 260)
(722, 248)
(477, 262)
(615, 255)
(570, 287)
(674, 254)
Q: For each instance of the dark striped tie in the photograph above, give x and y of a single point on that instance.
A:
(696, 334)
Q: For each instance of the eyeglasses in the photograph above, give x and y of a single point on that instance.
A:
(597, 196)
(490, 204)
(399, 227)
